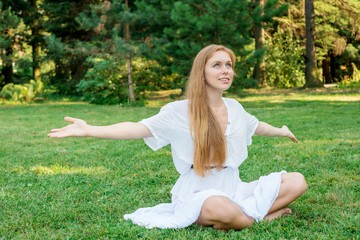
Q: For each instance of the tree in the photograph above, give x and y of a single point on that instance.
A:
(65, 45)
(196, 24)
(128, 57)
(337, 34)
(312, 79)
(10, 27)
(113, 22)
(259, 69)
(285, 63)
(263, 14)
(31, 33)
(36, 40)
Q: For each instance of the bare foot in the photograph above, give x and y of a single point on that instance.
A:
(278, 214)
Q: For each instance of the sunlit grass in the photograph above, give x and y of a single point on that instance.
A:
(79, 188)
(56, 169)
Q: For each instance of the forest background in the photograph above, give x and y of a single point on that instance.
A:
(111, 52)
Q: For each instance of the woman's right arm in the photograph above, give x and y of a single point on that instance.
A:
(79, 128)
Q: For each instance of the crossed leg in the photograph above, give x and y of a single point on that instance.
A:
(293, 185)
(221, 213)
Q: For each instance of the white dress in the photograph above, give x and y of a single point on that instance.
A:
(171, 126)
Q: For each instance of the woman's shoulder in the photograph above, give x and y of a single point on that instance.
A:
(177, 105)
(232, 102)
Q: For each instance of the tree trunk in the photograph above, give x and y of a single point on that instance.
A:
(259, 70)
(130, 82)
(36, 61)
(333, 67)
(128, 60)
(312, 79)
(326, 69)
(7, 69)
(35, 44)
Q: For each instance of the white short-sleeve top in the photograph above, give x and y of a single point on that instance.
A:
(171, 126)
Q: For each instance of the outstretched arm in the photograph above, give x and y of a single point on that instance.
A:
(265, 129)
(79, 128)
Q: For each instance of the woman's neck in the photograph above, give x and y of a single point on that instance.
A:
(215, 99)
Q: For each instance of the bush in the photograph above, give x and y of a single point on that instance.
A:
(353, 82)
(22, 92)
(107, 81)
(285, 62)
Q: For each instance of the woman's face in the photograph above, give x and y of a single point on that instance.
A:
(218, 72)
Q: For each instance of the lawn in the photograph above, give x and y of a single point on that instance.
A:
(80, 188)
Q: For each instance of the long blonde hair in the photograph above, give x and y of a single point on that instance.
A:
(209, 138)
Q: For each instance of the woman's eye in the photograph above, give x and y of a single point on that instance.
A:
(216, 65)
(228, 65)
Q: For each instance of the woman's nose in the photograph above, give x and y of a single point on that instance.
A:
(225, 70)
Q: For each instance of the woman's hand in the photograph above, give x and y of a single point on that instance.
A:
(77, 129)
(289, 134)
(265, 129)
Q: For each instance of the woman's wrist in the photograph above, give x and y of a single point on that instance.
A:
(89, 131)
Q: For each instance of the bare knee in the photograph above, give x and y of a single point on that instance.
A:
(225, 214)
(301, 184)
(217, 208)
(297, 181)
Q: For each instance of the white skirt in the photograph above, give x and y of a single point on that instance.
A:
(190, 192)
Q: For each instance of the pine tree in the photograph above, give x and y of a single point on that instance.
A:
(10, 27)
(116, 33)
(64, 45)
(193, 25)
(30, 15)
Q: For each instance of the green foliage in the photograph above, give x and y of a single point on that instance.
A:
(9, 23)
(171, 33)
(190, 26)
(22, 92)
(11, 28)
(244, 68)
(285, 62)
(24, 71)
(195, 27)
(107, 81)
(337, 25)
(64, 42)
(354, 82)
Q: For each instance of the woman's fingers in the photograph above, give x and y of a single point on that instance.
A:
(60, 129)
(58, 135)
(77, 129)
(292, 137)
(61, 132)
(70, 119)
(290, 134)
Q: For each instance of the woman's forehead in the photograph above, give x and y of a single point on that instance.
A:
(220, 56)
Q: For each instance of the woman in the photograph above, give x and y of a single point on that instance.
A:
(209, 135)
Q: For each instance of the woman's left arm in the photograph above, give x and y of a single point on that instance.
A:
(265, 129)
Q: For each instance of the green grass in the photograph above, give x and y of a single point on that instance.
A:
(79, 188)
